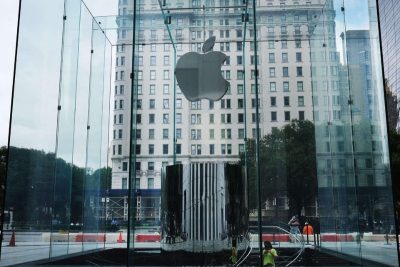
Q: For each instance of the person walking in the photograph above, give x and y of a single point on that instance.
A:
(269, 254)
(294, 225)
(233, 256)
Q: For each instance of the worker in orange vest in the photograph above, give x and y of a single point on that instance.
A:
(307, 229)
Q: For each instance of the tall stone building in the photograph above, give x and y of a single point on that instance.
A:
(206, 130)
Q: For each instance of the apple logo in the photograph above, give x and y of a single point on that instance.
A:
(199, 75)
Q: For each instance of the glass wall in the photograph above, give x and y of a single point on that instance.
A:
(58, 158)
(229, 123)
(354, 183)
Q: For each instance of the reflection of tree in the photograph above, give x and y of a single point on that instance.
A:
(3, 161)
(392, 108)
(43, 190)
(287, 166)
(394, 142)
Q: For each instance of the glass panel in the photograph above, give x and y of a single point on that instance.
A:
(31, 162)
(66, 125)
(92, 223)
(375, 203)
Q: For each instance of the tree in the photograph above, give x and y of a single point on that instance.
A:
(392, 107)
(287, 166)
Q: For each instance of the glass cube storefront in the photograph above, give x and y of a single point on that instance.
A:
(140, 134)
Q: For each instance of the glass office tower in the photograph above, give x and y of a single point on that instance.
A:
(107, 150)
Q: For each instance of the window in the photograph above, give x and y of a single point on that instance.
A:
(287, 115)
(152, 75)
(178, 118)
(300, 86)
(211, 132)
(300, 100)
(124, 166)
(150, 183)
(124, 183)
(120, 134)
(165, 118)
(151, 133)
(239, 60)
(166, 60)
(271, 44)
(240, 89)
(271, 57)
(166, 75)
(165, 133)
(178, 133)
(240, 118)
(193, 149)
(119, 149)
(253, 102)
(211, 149)
(152, 89)
(165, 103)
(286, 86)
(229, 149)
(178, 103)
(150, 166)
(151, 149)
(165, 149)
(272, 72)
(285, 71)
(223, 149)
(285, 58)
(284, 44)
(272, 86)
(240, 103)
(240, 74)
(178, 149)
(299, 71)
(301, 115)
(211, 118)
(151, 118)
(138, 149)
(286, 101)
(137, 183)
(239, 46)
(297, 43)
(152, 103)
(166, 46)
(152, 61)
(298, 57)
(273, 115)
(273, 101)
(121, 118)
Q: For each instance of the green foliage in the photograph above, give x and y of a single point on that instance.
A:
(287, 166)
(394, 144)
(42, 189)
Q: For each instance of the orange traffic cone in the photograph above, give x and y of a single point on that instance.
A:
(12, 240)
(120, 238)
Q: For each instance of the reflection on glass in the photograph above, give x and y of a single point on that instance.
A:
(303, 114)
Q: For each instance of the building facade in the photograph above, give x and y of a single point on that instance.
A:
(206, 130)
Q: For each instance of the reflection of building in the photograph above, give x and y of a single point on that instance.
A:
(208, 131)
(389, 18)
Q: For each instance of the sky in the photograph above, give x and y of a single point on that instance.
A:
(8, 28)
